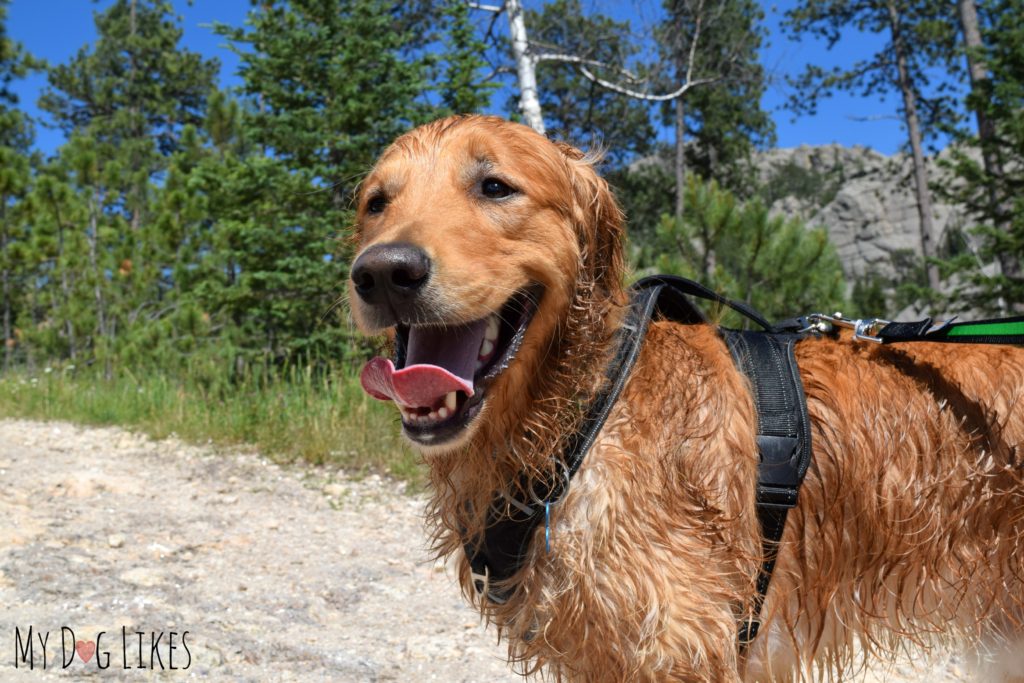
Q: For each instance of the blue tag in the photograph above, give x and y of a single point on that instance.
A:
(547, 527)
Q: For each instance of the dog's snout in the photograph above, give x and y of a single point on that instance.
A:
(393, 271)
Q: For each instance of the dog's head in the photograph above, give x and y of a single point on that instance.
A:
(475, 238)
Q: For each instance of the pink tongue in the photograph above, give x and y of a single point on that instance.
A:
(438, 361)
(415, 386)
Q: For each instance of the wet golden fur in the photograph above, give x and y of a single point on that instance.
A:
(910, 524)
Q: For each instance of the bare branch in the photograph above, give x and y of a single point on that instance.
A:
(497, 9)
(573, 59)
(489, 34)
(875, 117)
(693, 44)
(688, 83)
(678, 92)
(497, 71)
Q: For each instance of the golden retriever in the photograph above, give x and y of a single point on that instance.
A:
(493, 257)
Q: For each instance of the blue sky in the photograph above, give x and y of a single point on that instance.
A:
(56, 29)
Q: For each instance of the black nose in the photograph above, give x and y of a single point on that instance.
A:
(393, 271)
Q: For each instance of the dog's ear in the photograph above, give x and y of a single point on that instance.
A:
(599, 221)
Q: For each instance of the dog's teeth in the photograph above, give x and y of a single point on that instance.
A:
(433, 416)
(486, 348)
(450, 400)
(491, 334)
(442, 412)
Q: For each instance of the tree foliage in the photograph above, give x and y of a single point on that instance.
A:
(126, 103)
(738, 248)
(326, 86)
(196, 227)
(989, 271)
(464, 89)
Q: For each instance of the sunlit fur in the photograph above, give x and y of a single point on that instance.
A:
(910, 526)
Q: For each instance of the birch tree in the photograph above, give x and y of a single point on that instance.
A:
(575, 108)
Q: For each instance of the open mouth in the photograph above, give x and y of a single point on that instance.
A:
(441, 373)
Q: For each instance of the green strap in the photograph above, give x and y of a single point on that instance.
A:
(993, 331)
(996, 328)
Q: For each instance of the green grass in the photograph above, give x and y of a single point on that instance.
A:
(292, 414)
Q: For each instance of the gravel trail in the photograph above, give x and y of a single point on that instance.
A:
(277, 573)
(290, 573)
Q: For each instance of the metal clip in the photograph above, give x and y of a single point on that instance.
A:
(863, 329)
(867, 330)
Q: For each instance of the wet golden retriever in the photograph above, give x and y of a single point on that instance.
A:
(493, 257)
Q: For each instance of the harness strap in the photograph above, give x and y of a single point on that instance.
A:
(783, 443)
(502, 550)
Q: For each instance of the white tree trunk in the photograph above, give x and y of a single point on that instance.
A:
(526, 67)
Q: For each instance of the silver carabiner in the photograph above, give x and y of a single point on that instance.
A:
(863, 329)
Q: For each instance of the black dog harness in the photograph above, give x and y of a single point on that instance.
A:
(783, 437)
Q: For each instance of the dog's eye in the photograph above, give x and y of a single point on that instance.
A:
(376, 204)
(492, 188)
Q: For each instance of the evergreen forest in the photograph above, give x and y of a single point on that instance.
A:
(179, 263)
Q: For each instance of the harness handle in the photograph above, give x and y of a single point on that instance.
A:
(681, 285)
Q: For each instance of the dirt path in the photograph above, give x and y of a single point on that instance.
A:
(276, 573)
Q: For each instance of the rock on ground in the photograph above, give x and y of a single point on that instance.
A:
(276, 573)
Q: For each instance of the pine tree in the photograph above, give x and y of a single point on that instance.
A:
(921, 37)
(993, 193)
(124, 102)
(777, 265)
(327, 84)
(61, 321)
(15, 138)
(463, 89)
(331, 85)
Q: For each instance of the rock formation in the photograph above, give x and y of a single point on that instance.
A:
(863, 198)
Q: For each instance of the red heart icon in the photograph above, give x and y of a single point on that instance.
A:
(85, 649)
